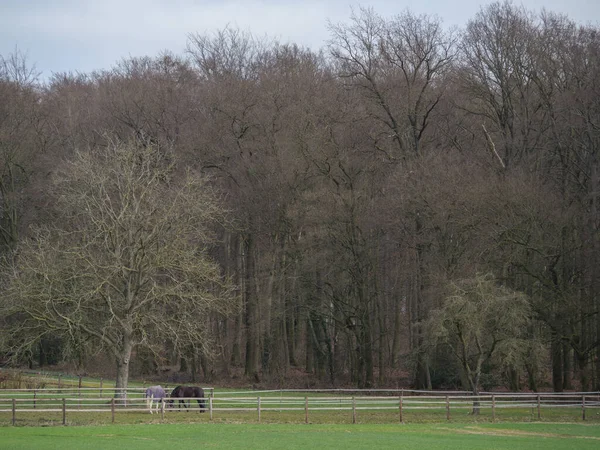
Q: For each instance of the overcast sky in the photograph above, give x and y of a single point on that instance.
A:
(83, 35)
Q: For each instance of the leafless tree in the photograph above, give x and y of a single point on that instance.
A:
(126, 266)
(21, 140)
(480, 322)
(399, 65)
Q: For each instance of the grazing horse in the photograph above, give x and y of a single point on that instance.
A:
(154, 394)
(186, 392)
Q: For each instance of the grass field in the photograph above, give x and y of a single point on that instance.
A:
(297, 436)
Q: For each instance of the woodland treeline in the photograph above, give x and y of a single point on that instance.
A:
(369, 187)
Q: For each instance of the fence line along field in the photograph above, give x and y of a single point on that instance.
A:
(83, 405)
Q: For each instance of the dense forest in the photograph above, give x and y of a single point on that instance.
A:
(412, 205)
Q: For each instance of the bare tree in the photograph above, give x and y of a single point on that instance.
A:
(230, 53)
(126, 266)
(20, 140)
(422, 52)
(399, 65)
(480, 321)
(498, 58)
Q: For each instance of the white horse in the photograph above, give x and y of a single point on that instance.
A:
(154, 394)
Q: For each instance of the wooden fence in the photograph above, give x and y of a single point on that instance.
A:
(19, 379)
(253, 404)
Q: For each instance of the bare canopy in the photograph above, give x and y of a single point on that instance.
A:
(127, 264)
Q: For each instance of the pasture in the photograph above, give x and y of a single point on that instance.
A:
(296, 419)
(545, 436)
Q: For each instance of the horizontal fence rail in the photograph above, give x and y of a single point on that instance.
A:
(19, 402)
(83, 392)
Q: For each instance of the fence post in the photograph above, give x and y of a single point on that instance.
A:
(210, 407)
(539, 408)
(34, 397)
(258, 407)
(112, 409)
(79, 393)
(100, 387)
(400, 407)
(162, 409)
(583, 407)
(447, 408)
(353, 409)
(64, 411)
(59, 385)
(305, 409)
(493, 408)
(14, 411)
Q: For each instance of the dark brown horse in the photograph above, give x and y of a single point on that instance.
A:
(187, 392)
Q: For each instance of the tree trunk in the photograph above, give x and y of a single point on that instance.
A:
(42, 353)
(381, 353)
(368, 355)
(251, 313)
(422, 377)
(514, 379)
(557, 364)
(194, 367)
(582, 365)
(531, 377)
(310, 359)
(206, 369)
(284, 345)
(236, 350)
(290, 328)
(474, 382)
(123, 360)
(397, 333)
(597, 359)
(567, 367)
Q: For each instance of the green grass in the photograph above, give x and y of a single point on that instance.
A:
(296, 436)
